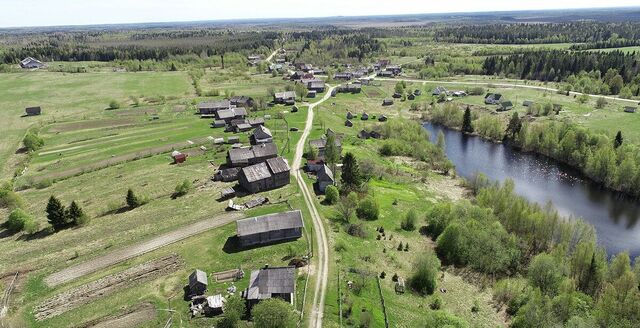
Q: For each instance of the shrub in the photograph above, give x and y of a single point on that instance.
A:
(368, 209)
(19, 220)
(436, 304)
(424, 278)
(395, 277)
(10, 199)
(114, 104)
(365, 319)
(331, 195)
(183, 188)
(476, 91)
(274, 313)
(357, 230)
(32, 141)
(409, 222)
(441, 318)
(132, 199)
(383, 275)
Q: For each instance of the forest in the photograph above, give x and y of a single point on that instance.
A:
(582, 32)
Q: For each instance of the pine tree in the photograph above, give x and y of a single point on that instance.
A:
(351, 178)
(400, 246)
(132, 199)
(75, 214)
(618, 141)
(466, 121)
(56, 213)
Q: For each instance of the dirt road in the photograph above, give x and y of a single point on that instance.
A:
(322, 247)
(132, 251)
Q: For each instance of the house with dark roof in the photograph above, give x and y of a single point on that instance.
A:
(31, 62)
(271, 174)
(348, 123)
(440, 90)
(505, 106)
(33, 111)
(492, 98)
(238, 113)
(227, 175)
(287, 97)
(314, 84)
(382, 118)
(269, 228)
(261, 135)
(198, 282)
(343, 76)
(350, 88)
(241, 101)
(411, 96)
(271, 283)
(325, 178)
(385, 74)
(321, 144)
(527, 103)
(364, 116)
(255, 121)
(241, 157)
(210, 108)
(387, 102)
(349, 115)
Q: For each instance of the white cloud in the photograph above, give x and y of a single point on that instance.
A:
(76, 12)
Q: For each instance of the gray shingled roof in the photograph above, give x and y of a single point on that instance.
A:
(278, 165)
(256, 172)
(268, 149)
(269, 222)
(216, 104)
(286, 95)
(265, 282)
(325, 174)
(198, 276)
(261, 132)
(240, 154)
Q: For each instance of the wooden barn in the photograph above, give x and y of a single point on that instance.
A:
(272, 174)
(269, 228)
(248, 156)
(33, 111)
(269, 283)
(284, 97)
(210, 108)
(198, 283)
(178, 157)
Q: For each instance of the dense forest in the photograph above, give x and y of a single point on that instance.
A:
(583, 32)
(612, 72)
(147, 45)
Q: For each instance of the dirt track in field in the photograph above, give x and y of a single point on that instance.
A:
(132, 317)
(132, 251)
(105, 286)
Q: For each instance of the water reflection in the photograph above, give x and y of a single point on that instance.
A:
(542, 180)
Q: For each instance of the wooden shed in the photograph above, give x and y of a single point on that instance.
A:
(198, 282)
(33, 111)
(269, 228)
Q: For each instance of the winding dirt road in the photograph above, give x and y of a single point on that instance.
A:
(322, 245)
(117, 256)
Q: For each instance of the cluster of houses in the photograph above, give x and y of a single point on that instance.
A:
(313, 84)
(441, 91)
(318, 166)
(229, 113)
(497, 99)
(364, 117)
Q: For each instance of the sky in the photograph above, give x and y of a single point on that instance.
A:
(85, 12)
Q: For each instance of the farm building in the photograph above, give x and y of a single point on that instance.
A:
(316, 85)
(233, 140)
(505, 106)
(210, 108)
(271, 283)
(527, 103)
(411, 96)
(387, 102)
(349, 115)
(284, 97)
(227, 175)
(382, 118)
(255, 121)
(178, 157)
(364, 116)
(321, 144)
(218, 124)
(31, 62)
(394, 69)
(33, 111)
(417, 92)
(269, 228)
(343, 76)
(261, 135)
(248, 156)
(325, 178)
(629, 109)
(241, 101)
(231, 114)
(492, 98)
(348, 123)
(314, 165)
(198, 283)
(241, 127)
(350, 88)
(385, 74)
(272, 174)
(311, 94)
(440, 90)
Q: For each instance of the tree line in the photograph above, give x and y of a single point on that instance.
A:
(616, 70)
(538, 33)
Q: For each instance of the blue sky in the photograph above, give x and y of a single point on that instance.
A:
(81, 12)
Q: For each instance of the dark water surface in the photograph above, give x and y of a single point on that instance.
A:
(541, 180)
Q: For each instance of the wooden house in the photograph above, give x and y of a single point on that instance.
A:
(227, 175)
(231, 114)
(311, 94)
(249, 156)
(348, 123)
(284, 97)
(218, 124)
(242, 101)
(321, 144)
(364, 116)
(242, 127)
(505, 106)
(271, 283)
(208, 109)
(325, 178)
(387, 102)
(261, 135)
(269, 228)
(255, 121)
(314, 165)
(198, 282)
(385, 74)
(382, 118)
(492, 98)
(271, 174)
(33, 111)
(233, 140)
(346, 76)
(31, 62)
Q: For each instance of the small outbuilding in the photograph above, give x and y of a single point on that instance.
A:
(33, 111)
(505, 106)
(382, 118)
(349, 115)
(325, 178)
(629, 109)
(198, 283)
(364, 116)
(178, 157)
(348, 123)
(387, 102)
(31, 62)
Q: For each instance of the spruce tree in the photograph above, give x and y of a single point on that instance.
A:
(515, 125)
(466, 121)
(351, 178)
(56, 213)
(132, 199)
(618, 141)
(75, 214)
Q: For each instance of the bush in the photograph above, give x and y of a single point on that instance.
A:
(183, 188)
(132, 199)
(365, 319)
(368, 209)
(331, 195)
(10, 199)
(273, 313)
(409, 222)
(114, 104)
(32, 141)
(476, 91)
(423, 280)
(440, 319)
(357, 230)
(436, 304)
(20, 220)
